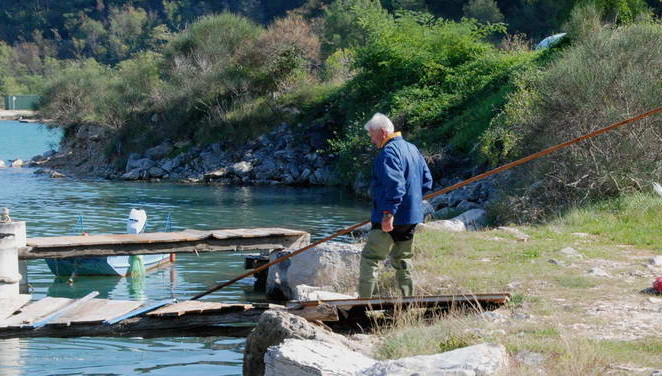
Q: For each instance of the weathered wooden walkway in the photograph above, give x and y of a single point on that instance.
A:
(63, 317)
(187, 241)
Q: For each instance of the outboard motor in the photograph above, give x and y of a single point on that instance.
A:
(137, 221)
(136, 225)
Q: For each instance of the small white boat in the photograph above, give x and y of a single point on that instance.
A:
(111, 265)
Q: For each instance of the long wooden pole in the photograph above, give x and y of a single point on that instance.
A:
(438, 193)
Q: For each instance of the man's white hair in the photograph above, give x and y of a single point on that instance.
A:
(380, 121)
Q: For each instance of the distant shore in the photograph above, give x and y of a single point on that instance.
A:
(27, 116)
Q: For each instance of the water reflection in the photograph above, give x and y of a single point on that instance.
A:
(62, 287)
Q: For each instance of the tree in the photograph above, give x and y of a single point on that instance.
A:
(342, 27)
(483, 10)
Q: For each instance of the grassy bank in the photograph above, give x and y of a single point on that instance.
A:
(581, 323)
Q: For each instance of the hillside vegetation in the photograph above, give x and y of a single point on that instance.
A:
(459, 77)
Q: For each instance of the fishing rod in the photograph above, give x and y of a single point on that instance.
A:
(438, 193)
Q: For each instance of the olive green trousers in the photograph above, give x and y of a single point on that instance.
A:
(379, 246)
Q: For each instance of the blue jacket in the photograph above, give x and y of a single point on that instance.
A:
(400, 179)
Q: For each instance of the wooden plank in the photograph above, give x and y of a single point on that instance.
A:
(149, 326)
(11, 305)
(498, 298)
(322, 312)
(62, 311)
(196, 307)
(210, 244)
(112, 239)
(35, 311)
(189, 235)
(96, 310)
(138, 312)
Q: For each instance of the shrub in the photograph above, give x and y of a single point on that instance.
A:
(609, 76)
(423, 72)
(483, 10)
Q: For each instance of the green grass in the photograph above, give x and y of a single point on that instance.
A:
(556, 297)
(633, 219)
(463, 129)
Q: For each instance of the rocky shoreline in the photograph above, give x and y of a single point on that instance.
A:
(285, 156)
(279, 157)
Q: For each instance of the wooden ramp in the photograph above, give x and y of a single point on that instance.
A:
(187, 241)
(62, 317)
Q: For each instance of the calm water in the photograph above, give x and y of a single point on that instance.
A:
(53, 207)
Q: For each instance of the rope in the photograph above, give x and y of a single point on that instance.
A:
(438, 193)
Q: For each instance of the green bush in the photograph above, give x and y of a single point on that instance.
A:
(439, 80)
(609, 76)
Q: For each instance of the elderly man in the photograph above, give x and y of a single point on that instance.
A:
(400, 179)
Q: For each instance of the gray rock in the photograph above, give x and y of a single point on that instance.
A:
(312, 293)
(241, 168)
(478, 360)
(556, 262)
(471, 220)
(439, 202)
(571, 252)
(305, 174)
(156, 172)
(158, 152)
(18, 163)
(493, 316)
(530, 358)
(296, 357)
(657, 261)
(521, 316)
(276, 326)
(42, 171)
(134, 174)
(448, 225)
(444, 213)
(468, 205)
(294, 170)
(598, 272)
(331, 264)
(216, 174)
(143, 164)
(2, 164)
(474, 219)
(170, 164)
(131, 162)
(210, 160)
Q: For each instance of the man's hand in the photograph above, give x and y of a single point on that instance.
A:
(387, 222)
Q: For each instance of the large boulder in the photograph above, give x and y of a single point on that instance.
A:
(18, 163)
(310, 293)
(471, 220)
(297, 357)
(478, 360)
(474, 219)
(331, 264)
(314, 358)
(274, 327)
(447, 225)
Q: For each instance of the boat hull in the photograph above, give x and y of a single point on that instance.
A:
(102, 266)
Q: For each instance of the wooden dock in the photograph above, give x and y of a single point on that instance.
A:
(63, 317)
(187, 241)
